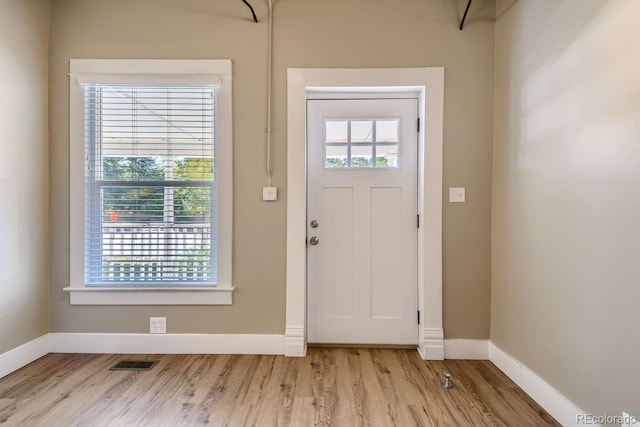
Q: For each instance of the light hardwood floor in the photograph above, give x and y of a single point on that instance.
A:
(330, 387)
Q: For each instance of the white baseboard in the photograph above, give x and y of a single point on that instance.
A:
(294, 342)
(167, 343)
(555, 403)
(20, 356)
(466, 349)
(431, 344)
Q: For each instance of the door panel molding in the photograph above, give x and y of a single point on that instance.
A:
(429, 82)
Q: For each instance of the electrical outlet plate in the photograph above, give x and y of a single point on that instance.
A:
(158, 325)
(269, 194)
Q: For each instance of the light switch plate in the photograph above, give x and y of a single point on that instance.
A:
(269, 194)
(456, 195)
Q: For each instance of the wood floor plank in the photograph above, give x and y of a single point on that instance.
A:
(258, 388)
(365, 384)
(329, 387)
(200, 378)
(46, 391)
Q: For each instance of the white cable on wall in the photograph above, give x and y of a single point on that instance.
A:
(269, 67)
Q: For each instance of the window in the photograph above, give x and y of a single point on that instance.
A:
(355, 143)
(150, 182)
(149, 185)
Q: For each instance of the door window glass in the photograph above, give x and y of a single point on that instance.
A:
(361, 143)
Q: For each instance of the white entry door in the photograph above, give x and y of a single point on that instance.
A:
(362, 221)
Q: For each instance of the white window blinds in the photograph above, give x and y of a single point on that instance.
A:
(150, 187)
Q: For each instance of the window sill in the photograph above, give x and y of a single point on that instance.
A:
(150, 296)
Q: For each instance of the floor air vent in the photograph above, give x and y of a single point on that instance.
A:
(133, 365)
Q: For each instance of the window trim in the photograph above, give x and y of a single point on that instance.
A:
(154, 70)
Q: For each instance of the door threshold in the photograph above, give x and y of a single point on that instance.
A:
(347, 345)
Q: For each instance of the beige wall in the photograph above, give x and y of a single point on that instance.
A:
(24, 231)
(308, 33)
(566, 188)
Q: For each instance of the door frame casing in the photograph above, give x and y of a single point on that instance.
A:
(429, 83)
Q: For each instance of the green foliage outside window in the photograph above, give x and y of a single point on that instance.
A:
(192, 204)
(133, 204)
(147, 203)
(356, 162)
